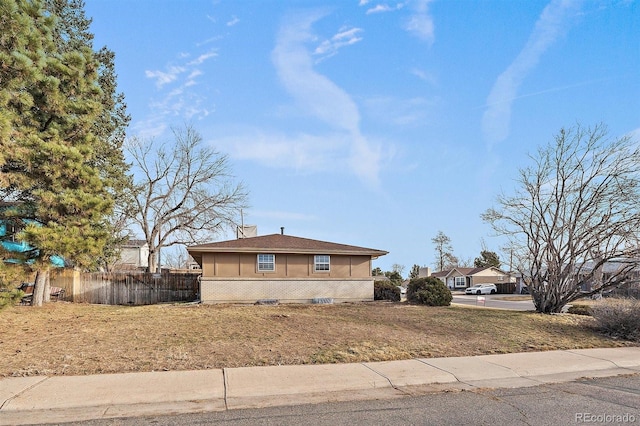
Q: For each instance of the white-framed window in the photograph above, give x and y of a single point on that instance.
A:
(460, 282)
(266, 262)
(321, 263)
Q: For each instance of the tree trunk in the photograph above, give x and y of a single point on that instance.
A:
(47, 288)
(151, 261)
(39, 287)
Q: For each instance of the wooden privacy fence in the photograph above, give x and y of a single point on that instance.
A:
(131, 288)
(506, 288)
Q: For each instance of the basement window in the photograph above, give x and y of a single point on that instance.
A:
(266, 262)
(321, 263)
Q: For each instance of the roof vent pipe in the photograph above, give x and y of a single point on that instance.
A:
(282, 230)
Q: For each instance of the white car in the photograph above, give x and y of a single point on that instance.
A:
(481, 289)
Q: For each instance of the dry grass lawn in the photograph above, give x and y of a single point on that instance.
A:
(72, 339)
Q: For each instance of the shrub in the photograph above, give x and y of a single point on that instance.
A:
(385, 290)
(10, 277)
(618, 318)
(428, 291)
(577, 309)
(10, 298)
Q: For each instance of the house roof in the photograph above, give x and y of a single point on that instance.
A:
(278, 243)
(463, 271)
(466, 271)
(135, 243)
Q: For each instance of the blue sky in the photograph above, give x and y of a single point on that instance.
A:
(375, 123)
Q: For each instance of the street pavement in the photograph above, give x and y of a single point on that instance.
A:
(42, 399)
(602, 400)
(497, 301)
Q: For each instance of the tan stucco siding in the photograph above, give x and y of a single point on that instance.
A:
(245, 290)
(236, 265)
(488, 279)
(487, 273)
(360, 266)
(493, 279)
(208, 262)
(295, 266)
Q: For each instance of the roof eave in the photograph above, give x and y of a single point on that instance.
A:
(373, 253)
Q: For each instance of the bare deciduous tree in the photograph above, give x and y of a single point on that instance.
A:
(396, 267)
(574, 220)
(177, 259)
(444, 256)
(184, 193)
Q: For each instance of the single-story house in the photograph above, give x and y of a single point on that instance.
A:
(461, 278)
(284, 268)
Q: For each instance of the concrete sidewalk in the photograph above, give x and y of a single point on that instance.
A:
(25, 400)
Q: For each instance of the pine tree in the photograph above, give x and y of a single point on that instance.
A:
(487, 258)
(72, 32)
(59, 143)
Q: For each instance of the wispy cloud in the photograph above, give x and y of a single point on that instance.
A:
(550, 25)
(191, 79)
(380, 8)
(424, 76)
(550, 90)
(320, 97)
(165, 77)
(200, 59)
(303, 152)
(420, 23)
(401, 112)
(233, 21)
(345, 37)
(175, 98)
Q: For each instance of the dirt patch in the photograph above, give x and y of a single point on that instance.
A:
(74, 339)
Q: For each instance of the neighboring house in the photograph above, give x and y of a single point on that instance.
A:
(381, 278)
(461, 278)
(284, 268)
(424, 272)
(628, 270)
(192, 265)
(608, 271)
(134, 254)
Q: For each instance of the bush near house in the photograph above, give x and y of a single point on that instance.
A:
(618, 318)
(386, 290)
(428, 291)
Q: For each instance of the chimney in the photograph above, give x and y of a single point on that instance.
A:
(282, 230)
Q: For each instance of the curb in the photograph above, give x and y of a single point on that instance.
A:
(29, 400)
